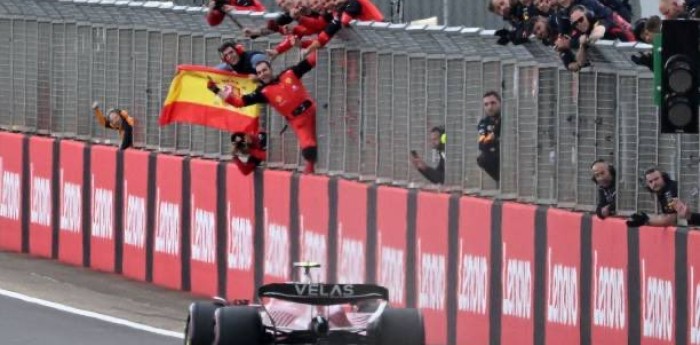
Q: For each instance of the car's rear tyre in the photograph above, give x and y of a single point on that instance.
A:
(398, 326)
(238, 325)
(199, 329)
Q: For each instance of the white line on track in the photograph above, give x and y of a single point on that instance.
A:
(90, 314)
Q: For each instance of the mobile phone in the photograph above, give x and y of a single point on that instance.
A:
(414, 153)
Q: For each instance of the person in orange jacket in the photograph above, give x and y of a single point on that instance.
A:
(249, 150)
(218, 8)
(288, 96)
(118, 120)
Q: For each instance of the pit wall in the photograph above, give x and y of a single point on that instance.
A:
(482, 271)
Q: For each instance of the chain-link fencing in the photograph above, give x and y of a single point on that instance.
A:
(380, 87)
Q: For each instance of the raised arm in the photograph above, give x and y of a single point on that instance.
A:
(305, 65)
(99, 115)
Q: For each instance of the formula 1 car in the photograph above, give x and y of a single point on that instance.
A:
(306, 313)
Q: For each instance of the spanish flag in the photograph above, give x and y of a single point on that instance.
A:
(190, 101)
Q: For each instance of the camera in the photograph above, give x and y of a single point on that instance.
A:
(645, 59)
(239, 141)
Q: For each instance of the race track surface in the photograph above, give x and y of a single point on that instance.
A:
(107, 294)
(24, 323)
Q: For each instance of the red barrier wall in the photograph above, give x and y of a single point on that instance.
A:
(352, 231)
(431, 264)
(136, 172)
(693, 296)
(313, 222)
(11, 171)
(103, 177)
(473, 290)
(657, 282)
(277, 265)
(609, 311)
(240, 217)
(56, 183)
(518, 272)
(167, 262)
(203, 229)
(40, 194)
(71, 184)
(563, 288)
(392, 208)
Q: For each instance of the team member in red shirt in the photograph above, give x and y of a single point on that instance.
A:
(286, 94)
(218, 9)
(249, 150)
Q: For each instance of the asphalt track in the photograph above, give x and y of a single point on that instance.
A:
(46, 302)
(24, 323)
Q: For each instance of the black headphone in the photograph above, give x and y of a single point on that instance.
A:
(611, 168)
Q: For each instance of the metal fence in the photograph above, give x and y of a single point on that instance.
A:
(379, 88)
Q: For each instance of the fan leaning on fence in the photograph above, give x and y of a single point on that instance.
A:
(118, 120)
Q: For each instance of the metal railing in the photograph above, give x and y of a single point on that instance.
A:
(379, 88)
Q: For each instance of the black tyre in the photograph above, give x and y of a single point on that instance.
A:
(238, 325)
(398, 326)
(199, 329)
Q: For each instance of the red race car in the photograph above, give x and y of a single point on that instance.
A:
(306, 313)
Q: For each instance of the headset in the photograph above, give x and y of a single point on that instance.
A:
(443, 135)
(611, 168)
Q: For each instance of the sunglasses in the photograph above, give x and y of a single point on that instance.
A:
(578, 21)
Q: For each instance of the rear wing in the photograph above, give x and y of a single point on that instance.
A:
(323, 294)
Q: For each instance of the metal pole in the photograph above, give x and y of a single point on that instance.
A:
(446, 12)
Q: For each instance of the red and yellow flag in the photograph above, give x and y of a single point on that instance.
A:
(190, 101)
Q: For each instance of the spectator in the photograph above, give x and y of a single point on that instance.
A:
(588, 28)
(249, 151)
(236, 59)
(645, 28)
(644, 31)
(278, 24)
(344, 12)
(118, 120)
(604, 178)
(516, 13)
(666, 191)
(438, 139)
(546, 29)
(679, 9)
(489, 134)
(218, 9)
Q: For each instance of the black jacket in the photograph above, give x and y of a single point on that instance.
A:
(437, 174)
(489, 130)
(606, 197)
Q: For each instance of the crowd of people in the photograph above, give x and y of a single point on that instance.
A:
(570, 26)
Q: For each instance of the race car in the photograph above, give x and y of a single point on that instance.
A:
(305, 312)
